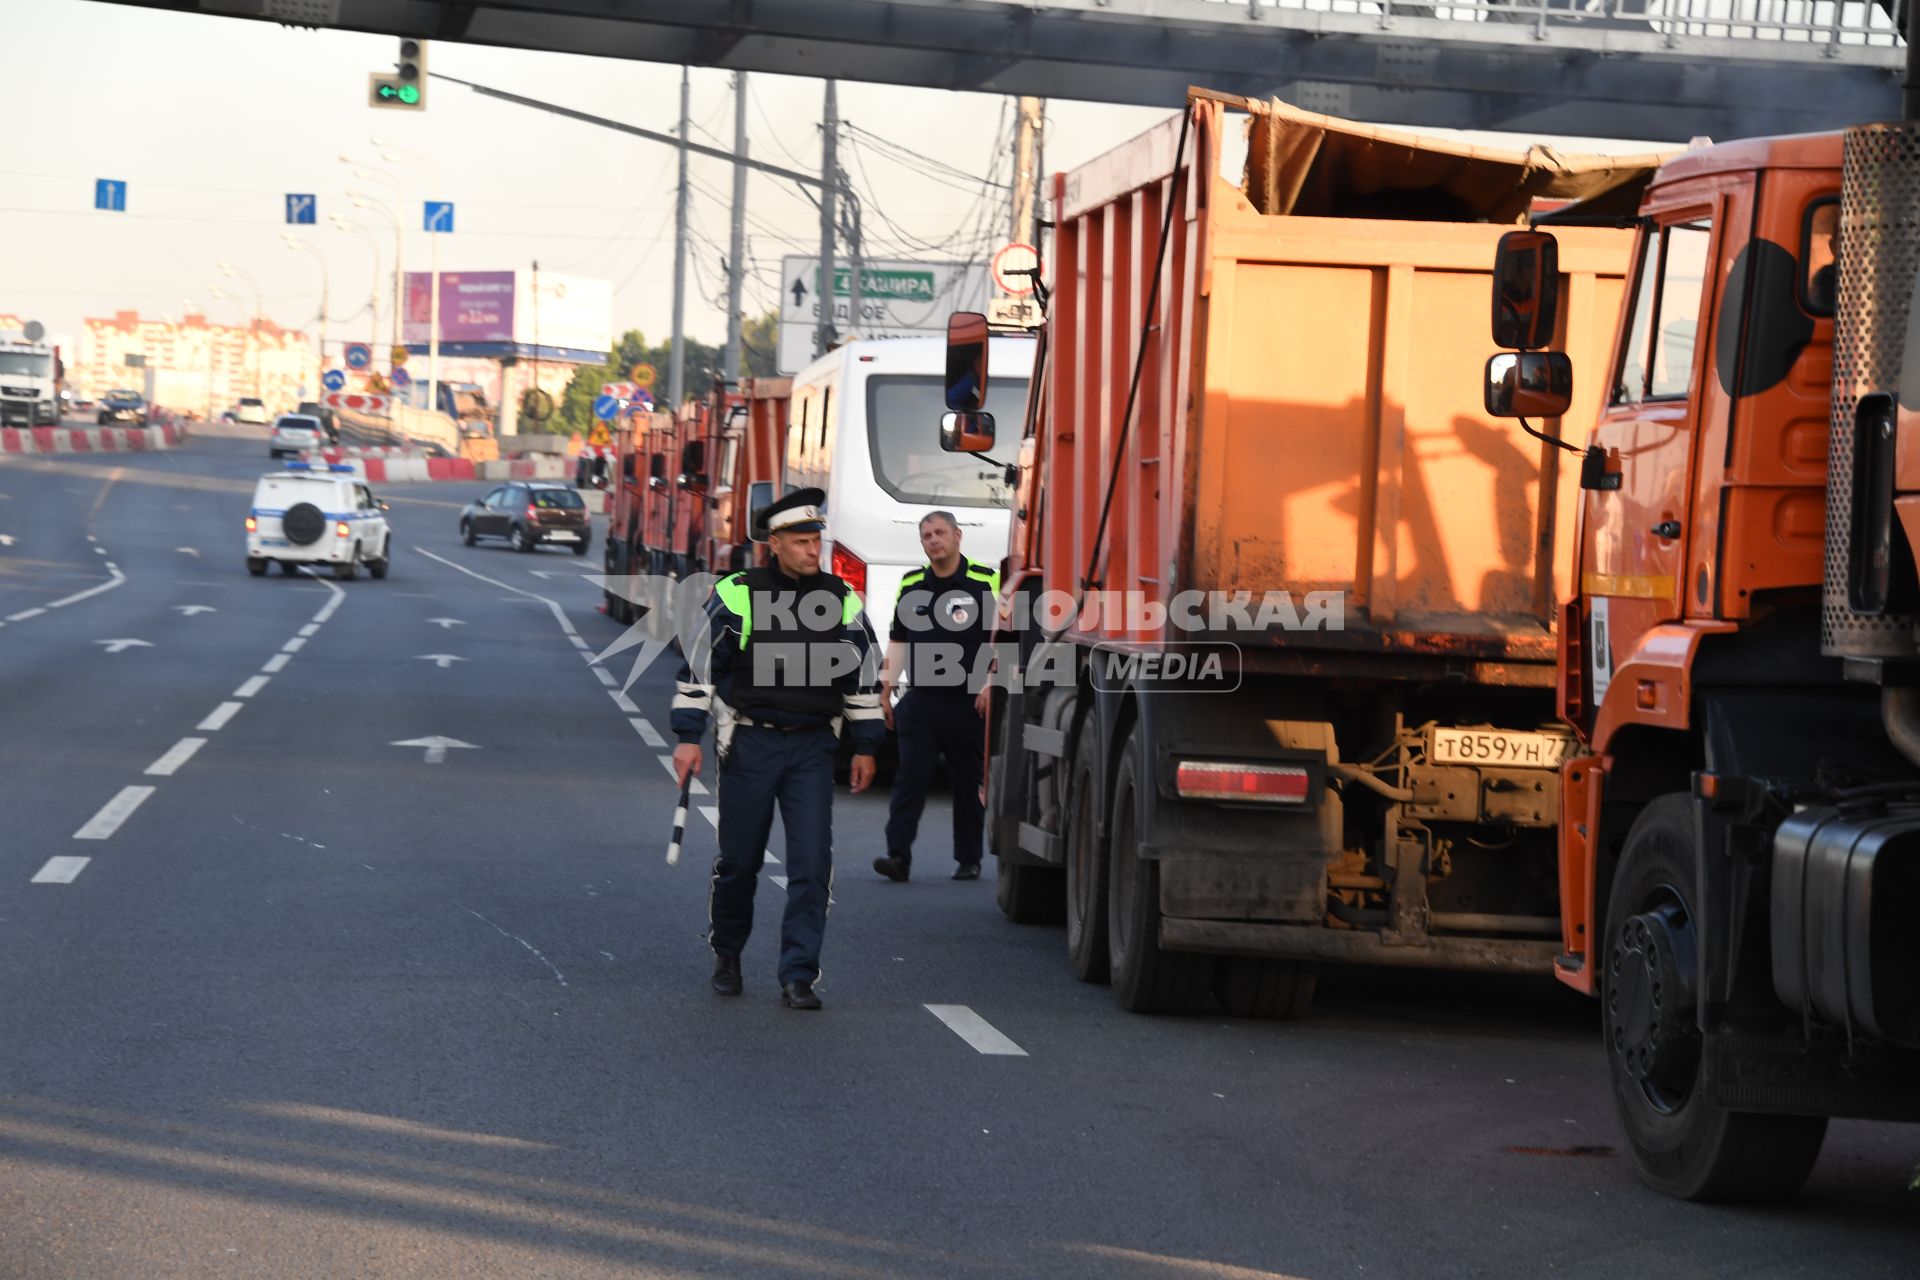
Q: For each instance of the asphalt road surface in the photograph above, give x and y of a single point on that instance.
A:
(318, 1003)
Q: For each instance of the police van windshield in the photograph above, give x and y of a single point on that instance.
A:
(31, 363)
(903, 422)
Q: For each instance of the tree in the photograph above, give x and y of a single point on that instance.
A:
(575, 411)
(759, 345)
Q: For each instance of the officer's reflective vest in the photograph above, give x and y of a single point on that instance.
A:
(788, 688)
(975, 572)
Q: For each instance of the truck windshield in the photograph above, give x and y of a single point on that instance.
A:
(32, 364)
(903, 423)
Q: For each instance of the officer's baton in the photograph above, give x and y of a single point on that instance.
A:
(679, 821)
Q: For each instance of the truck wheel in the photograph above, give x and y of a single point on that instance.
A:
(1682, 1145)
(1254, 987)
(1028, 894)
(1145, 978)
(1086, 873)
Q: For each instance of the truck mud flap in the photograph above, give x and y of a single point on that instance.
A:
(1781, 1075)
(1355, 946)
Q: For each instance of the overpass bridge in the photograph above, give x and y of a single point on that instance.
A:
(1657, 69)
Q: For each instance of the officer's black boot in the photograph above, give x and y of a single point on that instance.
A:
(894, 869)
(726, 975)
(799, 995)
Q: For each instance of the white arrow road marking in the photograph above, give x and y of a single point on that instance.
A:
(437, 747)
(446, 623)
(190, 610)
(6, 539)
(975, 1030)
(61, 870)
(121, 646)
(444, 660)
(116, 811)
(188, 551)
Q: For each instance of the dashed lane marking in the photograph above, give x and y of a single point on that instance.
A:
(253, 685)
(177, 755)
(312, 628)
(622, 701)
(698, 788)
(648, 734)
(976, 1030)
(605, 677)
(277, 663)
(219, 717)
(24, 614)
(294, 645)
(64, 869)
(116, 811)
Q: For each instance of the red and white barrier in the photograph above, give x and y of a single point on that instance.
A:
(59, 440)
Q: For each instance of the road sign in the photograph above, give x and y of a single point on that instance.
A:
(619, 390)
(439, 215)
(642, 374)
(1012, 259)
(1014, 313)
(605, 406)
(358, 401)
(359, 355)
(401, 378)
(300, 210)
(599, 435)
(400, 355)
(110, 194)
(898, 299)
(333, 380)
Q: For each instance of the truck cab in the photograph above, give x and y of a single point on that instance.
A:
(29, 383)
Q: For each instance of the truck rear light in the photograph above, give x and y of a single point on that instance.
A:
(253, 526)
(851, 569)
(341, 530)
(1256, 783)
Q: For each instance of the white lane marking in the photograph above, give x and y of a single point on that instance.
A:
(277, 663)
(442, 660)
(119, 579)
(294, 645)
(64, 869)
(91, 538)
(24, 614)
(975, 1030)
(253, 685)
(177, 755)
(559, 614)
(445, 624)
(189, 610)
(437, 747)
(711, 812)
(121, 646)
(580, 644)
(311, 629)
(99, 551)
(188, 551)
(604, 676)
(779, 880)
(648, 734)
(221, 714)
(623, 702)
(334, 601)
(698, 788)
(116, 811)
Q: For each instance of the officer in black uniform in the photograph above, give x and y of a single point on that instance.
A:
(791, 656)
(939, 623)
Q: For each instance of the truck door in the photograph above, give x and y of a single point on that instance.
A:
(1634, 548)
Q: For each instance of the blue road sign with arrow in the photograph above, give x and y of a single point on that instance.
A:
(110, 194)
(439, 215)
(401, 378)
(300, 210)
(605, 407)
(333, 380)
(359, 355)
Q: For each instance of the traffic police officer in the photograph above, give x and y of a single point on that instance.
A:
(791, 656)
(939, 624)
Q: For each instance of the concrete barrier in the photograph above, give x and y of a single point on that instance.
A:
(15, 440)
(54, 440)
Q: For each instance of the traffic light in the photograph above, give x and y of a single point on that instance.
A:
(406, 85)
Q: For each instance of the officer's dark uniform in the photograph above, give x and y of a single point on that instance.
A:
(773, 638)
(942, 622)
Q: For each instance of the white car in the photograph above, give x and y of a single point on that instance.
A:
(307, 516)
(295, 432)
(251, 409)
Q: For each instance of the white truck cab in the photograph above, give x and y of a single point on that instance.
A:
(863, 426)
(29, 383)
(320, 517)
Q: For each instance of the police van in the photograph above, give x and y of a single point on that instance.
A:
(862, 425)
(319, 517)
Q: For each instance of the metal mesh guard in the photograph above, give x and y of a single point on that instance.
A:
(1879, 252)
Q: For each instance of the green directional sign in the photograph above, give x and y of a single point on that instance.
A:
(878, 284)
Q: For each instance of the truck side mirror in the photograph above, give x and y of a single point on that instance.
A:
(1529, 384)
(759, 497)
(1526, 290)
(966, 432)
(966, 361)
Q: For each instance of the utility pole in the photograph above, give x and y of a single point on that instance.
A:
(737, 241)
(829, 167)
(1025, 226)
(856, 264)
(677, 366)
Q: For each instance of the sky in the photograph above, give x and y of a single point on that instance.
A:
(212, 121)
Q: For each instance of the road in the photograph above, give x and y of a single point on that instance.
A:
(317, 1004)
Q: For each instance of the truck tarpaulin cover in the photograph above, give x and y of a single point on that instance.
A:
(1318, 166)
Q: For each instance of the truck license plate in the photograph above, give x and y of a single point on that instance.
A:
(1501, 747)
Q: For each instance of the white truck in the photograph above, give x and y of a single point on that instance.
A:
(29, 380)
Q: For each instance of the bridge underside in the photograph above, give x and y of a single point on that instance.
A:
(1619, 68)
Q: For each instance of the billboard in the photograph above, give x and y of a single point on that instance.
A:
(568, 313)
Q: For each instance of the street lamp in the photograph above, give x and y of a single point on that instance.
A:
(373, 247)
(399, 155)
(253, 329)
(298, 245)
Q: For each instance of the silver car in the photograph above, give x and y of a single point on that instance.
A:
(294, 433)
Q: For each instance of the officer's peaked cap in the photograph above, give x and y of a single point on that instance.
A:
(797, 512)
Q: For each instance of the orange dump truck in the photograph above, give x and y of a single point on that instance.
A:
(1277, 672)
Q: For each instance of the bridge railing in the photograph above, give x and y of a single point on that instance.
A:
(1824, 28)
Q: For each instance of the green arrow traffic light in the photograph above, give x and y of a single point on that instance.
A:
(391, 93)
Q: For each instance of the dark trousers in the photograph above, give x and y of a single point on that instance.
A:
(931, 725)
(794, 770)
